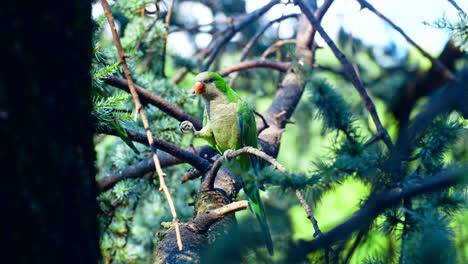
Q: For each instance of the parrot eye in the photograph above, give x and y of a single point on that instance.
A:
(209, 81)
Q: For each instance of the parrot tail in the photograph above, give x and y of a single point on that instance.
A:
(259, 211)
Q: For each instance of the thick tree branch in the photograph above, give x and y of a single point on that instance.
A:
(352, 75)
(236, 27)
(194, 233)
(155, 100)
(375, 205)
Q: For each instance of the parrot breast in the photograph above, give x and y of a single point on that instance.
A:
(223, 120)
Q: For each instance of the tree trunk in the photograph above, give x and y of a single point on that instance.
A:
(48, 189)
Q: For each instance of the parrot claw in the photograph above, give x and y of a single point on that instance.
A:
(227, 154)
(187, 127)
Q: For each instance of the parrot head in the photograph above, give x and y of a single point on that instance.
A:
(210, 85)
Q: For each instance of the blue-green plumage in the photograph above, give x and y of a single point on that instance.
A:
(230, 124)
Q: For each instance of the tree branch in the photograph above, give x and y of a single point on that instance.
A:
(207, 184)
(155, 100)
(195, 232)
(280, 66)
(456, 6)
(351, 73)
(277, 45)
(145, 166)
(193, 159)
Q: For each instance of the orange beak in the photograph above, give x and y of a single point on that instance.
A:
(199, 88)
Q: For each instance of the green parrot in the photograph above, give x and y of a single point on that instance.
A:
(230, 125)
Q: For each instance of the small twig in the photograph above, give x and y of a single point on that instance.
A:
(280, 66)
(277, 45)
(351, 73)
(265, 123)
(164, 37)
(209, 181)
(456, 6)
(373, 139)
(141, 111)
(447, 73)
(309, 213)
(168, 16)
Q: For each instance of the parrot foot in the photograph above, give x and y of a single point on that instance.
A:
(227, 154)
(187, 127)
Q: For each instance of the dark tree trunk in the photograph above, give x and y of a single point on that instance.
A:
(47, 185)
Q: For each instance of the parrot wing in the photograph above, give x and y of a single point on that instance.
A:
(248, 137)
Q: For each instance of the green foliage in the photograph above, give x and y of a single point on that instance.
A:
(439, 137)
(430, 240)
(331, 108)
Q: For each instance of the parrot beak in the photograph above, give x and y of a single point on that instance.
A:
(199, 88)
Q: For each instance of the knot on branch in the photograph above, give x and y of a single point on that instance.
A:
(209, 200)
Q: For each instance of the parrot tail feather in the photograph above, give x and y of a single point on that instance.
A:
(259, 212)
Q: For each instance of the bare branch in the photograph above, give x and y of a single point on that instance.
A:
(280, 66)
(145, 166)
(351, 73)
(190, 157)
(141, 111)
(155, 100)
(277, 45)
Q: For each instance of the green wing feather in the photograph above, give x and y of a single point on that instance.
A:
(248, 137)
